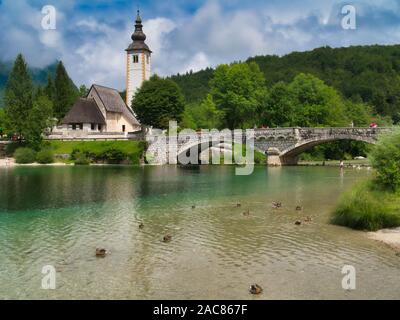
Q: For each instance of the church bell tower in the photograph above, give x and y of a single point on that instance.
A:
(138, 61)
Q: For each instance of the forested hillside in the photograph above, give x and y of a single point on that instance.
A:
(369, 74)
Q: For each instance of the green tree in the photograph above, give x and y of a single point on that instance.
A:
(18, 96)
(205, 114)
(83, 91)
(3, 124)
(158, 101)
(50, 89)
(279, 108)
(65, 92)
(316, 104)
(239, 91)
(385, 158)
(39, 119)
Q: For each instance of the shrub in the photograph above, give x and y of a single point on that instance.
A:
(385, 158)
(81, 159)
(24, 156)
(45, 156)
(367, 209)
(113, 156)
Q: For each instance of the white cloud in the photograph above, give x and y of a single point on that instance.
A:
(92, 46)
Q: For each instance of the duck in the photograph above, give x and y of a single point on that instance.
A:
(167, 238)
(299, 208)
(100, 252)
(298, 223)
(246, 213)
(255, 289)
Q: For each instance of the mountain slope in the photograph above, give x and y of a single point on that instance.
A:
(39, 75)
(367, 73)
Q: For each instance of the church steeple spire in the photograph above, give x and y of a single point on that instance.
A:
(138, 37)
(138, 67)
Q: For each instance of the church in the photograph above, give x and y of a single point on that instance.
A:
(103, 110)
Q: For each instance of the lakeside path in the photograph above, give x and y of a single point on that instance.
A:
(390, 237)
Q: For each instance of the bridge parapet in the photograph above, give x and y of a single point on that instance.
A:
(282, 145)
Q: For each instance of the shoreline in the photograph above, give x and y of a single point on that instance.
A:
(390, 237)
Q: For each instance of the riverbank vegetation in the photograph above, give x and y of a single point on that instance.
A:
(80, 152)
(375, 204)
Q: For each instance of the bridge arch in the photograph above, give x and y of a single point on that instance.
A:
(290, 155)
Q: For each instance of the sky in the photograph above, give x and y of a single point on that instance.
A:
(91, 36)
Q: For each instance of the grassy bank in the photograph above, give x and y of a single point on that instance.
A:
(106, 151)
(113, 152)
(367, 207)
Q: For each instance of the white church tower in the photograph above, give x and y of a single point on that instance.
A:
(138, 66)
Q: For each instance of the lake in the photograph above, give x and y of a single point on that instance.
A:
(59, 216)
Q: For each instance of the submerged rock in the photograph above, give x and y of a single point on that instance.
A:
(298, 223)
(141, 226)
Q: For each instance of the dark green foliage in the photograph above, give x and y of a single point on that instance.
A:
(50, 89)
(3, 122)
(112, 156)
(195, 86)
(18, 96)
(65, 93)
(369, 74)
(39, 76)
(81, 159)
(112, 152)
(45, 156)
(83, 91)
(158, 101)
(239, 92)
(385, 158)
(24, 156)
(39, 118)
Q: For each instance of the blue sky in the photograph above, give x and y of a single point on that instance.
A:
(91, 35)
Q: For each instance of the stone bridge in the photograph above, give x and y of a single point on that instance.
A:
(283, 146)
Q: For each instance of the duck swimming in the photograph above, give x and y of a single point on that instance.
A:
(255, 289)
(101, 252)
(167, 238)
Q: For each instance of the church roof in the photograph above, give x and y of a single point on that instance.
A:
(138, 37)
(84, 111)
(113, 102)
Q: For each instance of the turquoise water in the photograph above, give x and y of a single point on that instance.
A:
(59, 215)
